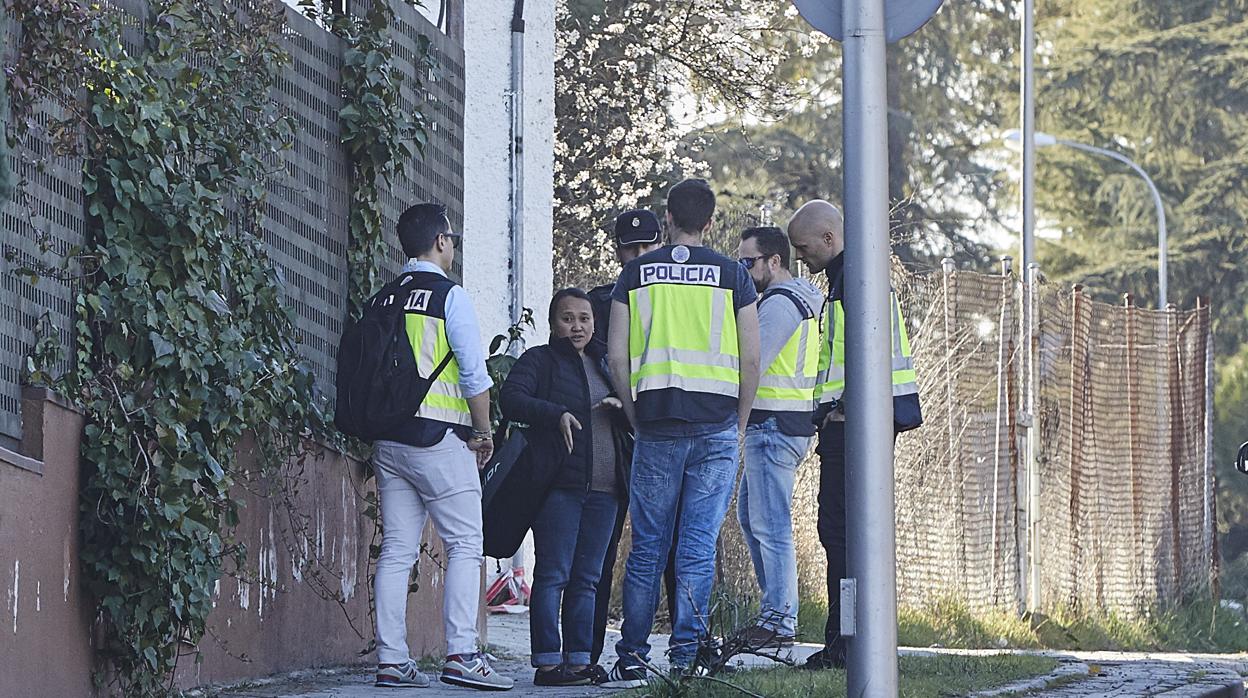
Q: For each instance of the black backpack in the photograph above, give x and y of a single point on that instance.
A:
(379, 387)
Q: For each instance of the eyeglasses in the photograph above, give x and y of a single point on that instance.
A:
(749, 262)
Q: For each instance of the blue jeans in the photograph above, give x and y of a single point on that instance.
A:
(570, 537)
(765, 512)
(698, 474)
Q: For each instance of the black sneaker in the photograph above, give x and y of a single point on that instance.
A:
(623, 675)
(596, 674)
(560, 676)
(827, 658)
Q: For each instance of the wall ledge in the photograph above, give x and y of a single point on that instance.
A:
(21, 462)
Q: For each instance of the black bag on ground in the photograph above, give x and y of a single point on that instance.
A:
(378, 384)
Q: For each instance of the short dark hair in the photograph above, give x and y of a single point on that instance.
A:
(770, 240)
(572, 292)
(420, 226)
(691, 204)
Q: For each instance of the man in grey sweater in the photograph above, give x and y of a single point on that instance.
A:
(780, 427)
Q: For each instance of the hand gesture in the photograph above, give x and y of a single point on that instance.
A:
(484, 449)
(611, 402)
(566, 424)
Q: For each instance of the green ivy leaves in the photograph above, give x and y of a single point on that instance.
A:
(185, 342)
(380, 136)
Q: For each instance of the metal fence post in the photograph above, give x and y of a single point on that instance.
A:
(1030, 325)
(1210, 508)
(1174, 357)
(1078, 426)
(1003, 400)
(947, 279)
(1134, 458)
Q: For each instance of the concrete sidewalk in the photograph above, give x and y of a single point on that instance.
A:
(1114, 674)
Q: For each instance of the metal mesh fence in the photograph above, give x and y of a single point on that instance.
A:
(304, 223)
(1126, 483)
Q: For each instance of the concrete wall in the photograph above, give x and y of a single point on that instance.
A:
(276, 616)
(487, 77)
(46, 642)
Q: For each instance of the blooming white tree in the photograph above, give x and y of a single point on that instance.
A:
(632, 77)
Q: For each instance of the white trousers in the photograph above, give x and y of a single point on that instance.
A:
(441, 483)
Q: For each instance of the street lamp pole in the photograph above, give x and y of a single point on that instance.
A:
(1015, 141)
(1162, 242)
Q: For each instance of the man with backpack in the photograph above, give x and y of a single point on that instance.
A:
(426, 464)
(780, 428)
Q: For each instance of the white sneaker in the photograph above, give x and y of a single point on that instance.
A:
(404, 675)
(474, 671)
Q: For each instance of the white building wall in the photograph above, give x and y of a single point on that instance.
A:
(487, 78)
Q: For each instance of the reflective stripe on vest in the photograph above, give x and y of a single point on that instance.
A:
(684, 337)
(832, 355)
(788, 384)
(445, 402)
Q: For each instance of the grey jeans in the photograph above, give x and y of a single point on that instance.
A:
(415, 484)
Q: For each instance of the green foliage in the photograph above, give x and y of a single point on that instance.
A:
(184, 339)
(502, 358)
(377, 132)
(1163, 83)
(944, 112)
(51, 56)
(6, 172)
(1230, 429)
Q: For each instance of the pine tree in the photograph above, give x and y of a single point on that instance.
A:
(945, 90)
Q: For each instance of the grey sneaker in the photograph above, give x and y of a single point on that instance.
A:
(474, 671)
(404, 675)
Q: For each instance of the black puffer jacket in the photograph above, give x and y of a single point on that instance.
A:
(560, 364)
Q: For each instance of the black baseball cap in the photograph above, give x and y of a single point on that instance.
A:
(637, 227)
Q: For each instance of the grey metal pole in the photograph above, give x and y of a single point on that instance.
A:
(869, 418)
(1028, 128)
(1027, 49)
(1030, 337)
(517, 163)
(1162, 251)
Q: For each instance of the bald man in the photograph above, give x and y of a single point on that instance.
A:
(817, 233)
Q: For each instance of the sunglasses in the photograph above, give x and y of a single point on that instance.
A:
(749, 262)
(456, 239)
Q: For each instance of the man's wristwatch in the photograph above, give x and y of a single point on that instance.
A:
(482, 435)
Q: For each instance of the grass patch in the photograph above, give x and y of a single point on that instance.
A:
(921, 677)
(1201, 625)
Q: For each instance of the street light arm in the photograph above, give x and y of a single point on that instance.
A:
(1158, 204)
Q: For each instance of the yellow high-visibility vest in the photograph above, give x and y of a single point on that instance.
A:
(683, 336)
(832, 355)
(788, 384)
(445, 402)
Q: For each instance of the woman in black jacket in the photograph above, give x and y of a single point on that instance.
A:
(562, 392)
